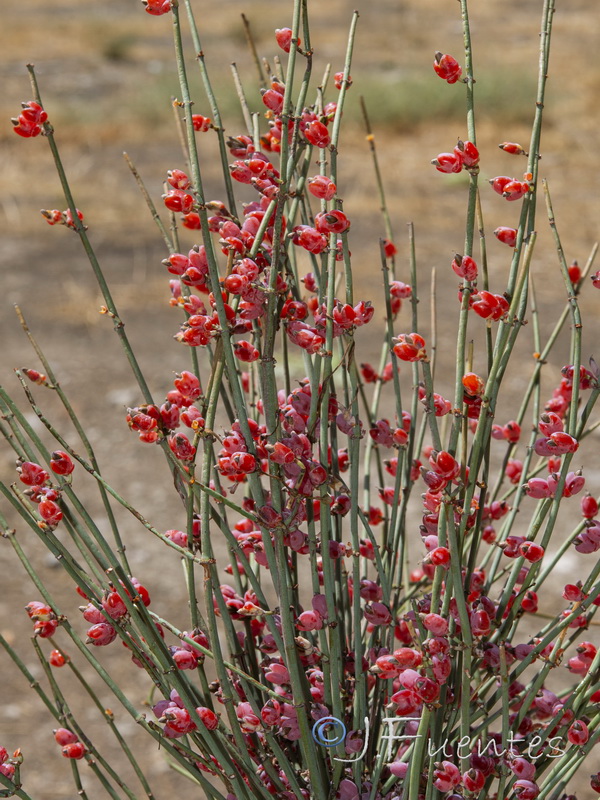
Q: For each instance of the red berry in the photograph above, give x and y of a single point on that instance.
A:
(181, 447)
(447, 67)
(63, 736)
(499, 183)
(60, 463)
(578, 733)
(589, 506)
(74, 750)
(245, 351)
(331, 222)
(31, 474)
(389, 248)
(338, 80)
(322, 187)
(50, 512)
(114, 605)
(34, 376)
(317, 134)
(468, 153)
(157, 7)
(283, 37)
(201, 125)
(575, 272)
(56, 659)
(514, 190)
(473, 384)
(208, 717)
(101, 634)
(506, 236)
(513, 148)
(465, 267)
(440, 557)
(531, 551)
(448, 162)
(410, 347)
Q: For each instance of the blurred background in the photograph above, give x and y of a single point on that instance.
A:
(107, 77)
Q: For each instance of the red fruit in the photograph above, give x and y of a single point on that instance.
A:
(322, 187)
(473, 384)
(512, 431)
(448, 162)
(316, 133)
(435, 623)
(188, 385)
(513, 148)
(179, 201)
(309, 621)
(465, 267)
(444, 464)
(34, 376)
(529, 602)
(273, 99)
(574, 272)
(514, 190)
(562, 442)
(410, 347)
(331, 222)
(50, 512)
(531, 551)
(245, 351)
(69, 221)
(499, 183)
(56, 659)
(578, 733)
(283, 37)
(514, 470)
(338, 80)
(31, 474)
(473, 780)
(101, 634)
(440, 557)
(208, 717)
(589, 506)
(406, 701)
(114, 605)
(389, 248)
(181, 447)
(468, 153)
(60, 463)
(201, 124)
(184, 659)
(595, 278)
(30, 120)
(142, 592)
(178, 720)
(506, 236)
(310, 239)
(37, 610)
(74, 750)
(63, 736)
(447, 67)
(44, 628)
(525, 790)
(369, 375)
(178, 179)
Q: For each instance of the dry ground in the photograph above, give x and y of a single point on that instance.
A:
(106, 76)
